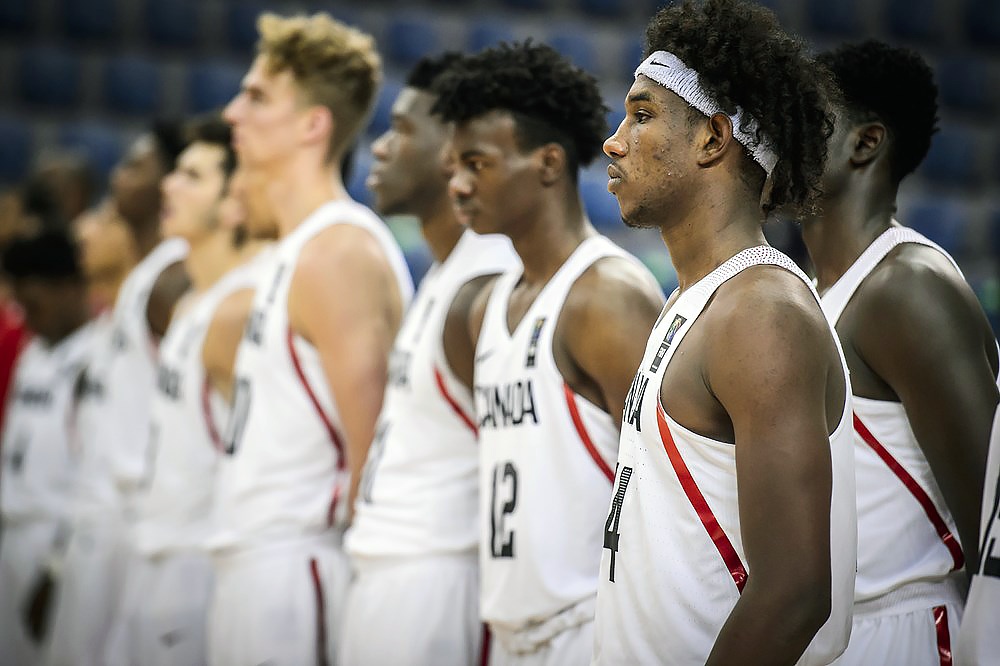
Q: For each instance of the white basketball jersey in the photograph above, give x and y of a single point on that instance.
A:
(546, 458)
(188, 415)
(979, 638)
(420, 488)
(899, 501)
(124, 377)
(287, 470)
(39, 460)
(674, 565)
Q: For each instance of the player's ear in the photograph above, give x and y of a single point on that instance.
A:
(869, 141)
(551, 163)
(714, 138)
(319, 124)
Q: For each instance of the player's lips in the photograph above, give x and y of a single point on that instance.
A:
(614, 177)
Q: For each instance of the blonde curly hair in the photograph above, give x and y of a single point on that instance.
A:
(334, 65)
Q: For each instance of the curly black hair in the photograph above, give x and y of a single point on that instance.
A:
(215, 131)
(894, 86)
(168, 137)
(549, 98)
(51, 255)
(429, 68)
(744, 58)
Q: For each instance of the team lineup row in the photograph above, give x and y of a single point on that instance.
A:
(270, 450)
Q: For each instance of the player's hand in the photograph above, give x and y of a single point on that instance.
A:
(35, 612)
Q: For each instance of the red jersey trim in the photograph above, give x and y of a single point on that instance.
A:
(457, 408)
(943, 635)
(321, 644)
(947, 538)
(708, 520)
(581, 430)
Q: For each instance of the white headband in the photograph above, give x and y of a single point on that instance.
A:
(667, 69)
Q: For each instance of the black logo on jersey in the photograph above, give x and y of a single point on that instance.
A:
(633, 402)
(273, 291)
(667, 340)
(989, 556)
(506, 405)
(611, 533)
(168, 381)
(254, 332)
(536, 333)
(34, 397)
(399, 368)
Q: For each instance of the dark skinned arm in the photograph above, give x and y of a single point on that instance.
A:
(604, 327)
(769, 363)
(222, 339)
(459, 345)
(171, 284)
(941, 363)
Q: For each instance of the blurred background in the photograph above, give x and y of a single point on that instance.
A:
(84, 77)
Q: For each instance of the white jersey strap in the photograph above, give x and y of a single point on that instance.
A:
(839, 295)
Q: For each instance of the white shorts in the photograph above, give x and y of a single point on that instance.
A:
(571, 647)
(429, 606)
(23, 550)
(921, 633)
(279, 604)
(164, 609)
(87, 593)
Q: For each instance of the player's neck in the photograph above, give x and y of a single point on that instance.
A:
(711, 235)
(146, 236)
(210, 258)
(294, 193)
(847, 225)
(440, 229)
(546, 242)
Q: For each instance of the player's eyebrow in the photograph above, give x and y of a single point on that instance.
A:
(642, 96)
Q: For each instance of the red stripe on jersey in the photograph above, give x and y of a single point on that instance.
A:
(574, 412)
(949, 540)
(321, 659)
(457, 408)
(206, 412)
(943, 635)
(327, 423)
(708, 520)
(484, 651)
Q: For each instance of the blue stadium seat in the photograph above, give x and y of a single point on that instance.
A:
(601, 206)
(982, 23)
(172, 23)
(604, 8)
(18, 17)
(359, 172)
(101, 144)
(489, 32)
(527, 5)
(211, 85)
(575, 45)
(409, 37)
(418, 260)
(132, 84)
(632, 52)
(49, 76)
(954, 158)
(914, 20)
(944, 221)
(16, 137)
(615, 115)
(967, 83)
(382, 114)
(241, 25)
(89, 19)
(837, 17)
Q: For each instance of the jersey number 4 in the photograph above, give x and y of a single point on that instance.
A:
(503, 501)
(611, 533)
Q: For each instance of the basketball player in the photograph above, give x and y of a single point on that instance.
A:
(548, 392)
(731, 537)
(922, 357)
(312, 366)
(163, 610)
(39, 464)
(112, 422)
(108, 253)
(978, 640)
(415, 533)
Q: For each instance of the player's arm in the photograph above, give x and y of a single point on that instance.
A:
(940, 360)
(345, 301)
(171, 284)
(458, 340)
(604, 327)
(768, 363)
(222, 339)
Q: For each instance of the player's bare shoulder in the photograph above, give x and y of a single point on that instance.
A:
(613, 287)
